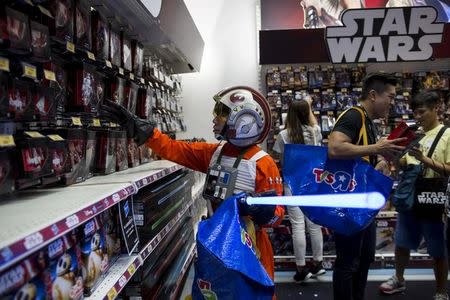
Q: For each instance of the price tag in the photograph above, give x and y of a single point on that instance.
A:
(121, 71)
(316, 91)
(131, 269)
(33, 134)
(76, 121)
(49, 75)
(96, 122)
(112, 293)
(406, 94)
(29, 71)
(4, 64)
(29, 2)
(55, 137)
(108, 64)
(116, 197)
(111, 124)
(131, 76)
(33, 240)
(344, 90)
(6, 140)
(90, 55)
(145, 181)
(45, 11)
(405, 117)
(142, 80)
(70, 47)
(317, 112)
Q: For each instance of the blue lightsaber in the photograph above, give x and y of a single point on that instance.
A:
(371, 200)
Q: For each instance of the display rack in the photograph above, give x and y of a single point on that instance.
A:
(32, 219)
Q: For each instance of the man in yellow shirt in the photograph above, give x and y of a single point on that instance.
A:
(410, 229)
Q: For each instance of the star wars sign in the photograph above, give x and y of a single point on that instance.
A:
(384, 35)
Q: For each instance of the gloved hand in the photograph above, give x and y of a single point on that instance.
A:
(260, 214)
(138, 129)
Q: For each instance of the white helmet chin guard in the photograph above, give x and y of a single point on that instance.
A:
(249, 120)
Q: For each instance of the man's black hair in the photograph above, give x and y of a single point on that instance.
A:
(428, 99)
(377, 82)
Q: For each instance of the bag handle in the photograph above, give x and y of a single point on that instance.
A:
(434, 145)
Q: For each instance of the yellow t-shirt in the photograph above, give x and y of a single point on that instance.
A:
(440, 154)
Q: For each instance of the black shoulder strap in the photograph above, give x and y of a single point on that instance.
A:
(436, 141)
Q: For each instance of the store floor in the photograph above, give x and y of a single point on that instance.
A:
(420, 286)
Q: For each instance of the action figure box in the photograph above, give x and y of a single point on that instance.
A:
(63, 26)
(60, 86)
(94, 255)
(6, 170)
(65, 268)
(133, 154)
(385, 235)
(26, 280)
(100, 36)
(118, 90)
(112, 233)
(127, 62)
(132, 97)
(105, 161)
(20, 100)
(15, 31)
(40, 42)
(137, 57)
(115, 49)
(59, 157)
(121, 150)
(44, 101)
(84, 89)
(76, 164)
(83, 32)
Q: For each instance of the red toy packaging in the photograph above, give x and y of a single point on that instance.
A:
(100, 37)
(63, 12)
(15, 31)
(83, 24)
(40, 41)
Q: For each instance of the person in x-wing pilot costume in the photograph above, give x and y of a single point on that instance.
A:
(241, 120)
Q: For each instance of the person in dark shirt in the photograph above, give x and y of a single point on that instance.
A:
(355, 136)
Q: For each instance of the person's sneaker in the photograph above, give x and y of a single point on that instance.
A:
(392, 286)
(303, 275)
(440, 297)
(317, 270)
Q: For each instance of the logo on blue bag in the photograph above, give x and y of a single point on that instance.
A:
(205, 288)
(246, 239)
(341, 181)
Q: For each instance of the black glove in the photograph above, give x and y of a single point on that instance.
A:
(138, 129)
(260, 214)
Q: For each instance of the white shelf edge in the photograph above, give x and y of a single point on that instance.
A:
(117, 277)
(122, 185)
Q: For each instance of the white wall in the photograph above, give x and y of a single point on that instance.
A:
(228, 28)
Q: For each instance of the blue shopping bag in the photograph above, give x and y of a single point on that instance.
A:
(308, 171)
(227, 267)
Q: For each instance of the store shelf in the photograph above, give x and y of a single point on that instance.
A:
(31, 219)
(117, 277)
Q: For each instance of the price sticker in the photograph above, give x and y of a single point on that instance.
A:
(90, 55)
(108, 64)
(29, 71)
(344, 90)
(116, 197)
(142, 80)
(45, 11)
(4, 64)
(131, 76)
(6, 140)
(70, 47)
(76, 121)
(49, 75)
(72, 220)
(111, 124)
(96, 122)
(112, 294)
(55, 137)
(131, 269)
(121, 71)
(33, 134)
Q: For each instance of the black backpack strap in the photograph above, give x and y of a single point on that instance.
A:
(436, 141)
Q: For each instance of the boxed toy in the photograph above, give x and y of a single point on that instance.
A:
(40, 41)
(20, 100)
(105, 162)
(118, 90)
(63, 11)
(94, 256)
(91, 148)
(32, 158)
(44, 101)
(76, 143)
(115, 51)
(26, 280)
(58, 156)
(133, 154)
(84, 89)
(112, 233)
(121, 150)
(60, 85)
(137, 58)
(4, 95)
(100, 36)
(83, 24)
(385, 235)
(15, 31)
(126, 52)
(132, 97)
(65, 269)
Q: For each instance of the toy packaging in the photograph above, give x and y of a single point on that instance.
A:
(100, 37)
(91, 147)
(76, 144)
(132, 97)
(94, 256)
(137, 58)
(65, 269)
(84, 98)
(112, 234)
(133, 154)
(44, 101)
(385, 235)
(20, 100)
(126, 52)
(40, 41)
(15, 31)
(121, 150)
(83, 24)
(6, 170)
(115, 51)
(105, 162)
(26, 280)
(118, 90)
(63, 11)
